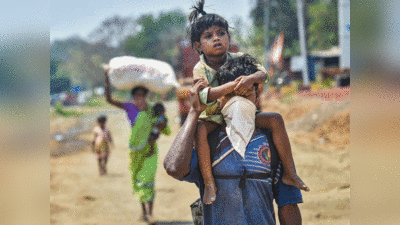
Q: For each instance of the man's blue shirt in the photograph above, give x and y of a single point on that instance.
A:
(234, 205)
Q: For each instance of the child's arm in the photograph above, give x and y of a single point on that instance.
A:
(246, 82)
(215, 93)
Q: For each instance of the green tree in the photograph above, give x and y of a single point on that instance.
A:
(321, 19)
(143, 44)
(80, 60)
(157, 37)
(114, 30)
(323, 25)
(54, 67)
(282, 17)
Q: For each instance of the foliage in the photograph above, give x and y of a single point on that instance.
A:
(288, 93)
(157, 37)
(321, 19)
(58, 109)
(327, 83)
(282, 17)
(59, 84)
(80, 61)
(114, 30)
(59, 79)
(54, 64)
(323, 27)
(93, 101)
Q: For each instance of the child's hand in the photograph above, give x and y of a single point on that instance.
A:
(245, 83)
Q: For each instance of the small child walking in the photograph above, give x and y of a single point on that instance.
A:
(209, 35)
(101, 144)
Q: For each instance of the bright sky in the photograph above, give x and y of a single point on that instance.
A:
(80, 17)
(23, 18)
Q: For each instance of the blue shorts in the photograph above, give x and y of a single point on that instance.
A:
(286, 194)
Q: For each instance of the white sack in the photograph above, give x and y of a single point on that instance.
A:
(126, 72)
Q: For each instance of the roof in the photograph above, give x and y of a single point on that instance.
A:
(332, 52)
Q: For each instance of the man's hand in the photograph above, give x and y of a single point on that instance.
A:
(244, 84)
(194, 95)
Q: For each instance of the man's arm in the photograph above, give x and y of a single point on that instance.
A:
(177, 160)
(108, 94)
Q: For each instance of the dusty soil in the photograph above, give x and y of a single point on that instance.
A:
(78, 195)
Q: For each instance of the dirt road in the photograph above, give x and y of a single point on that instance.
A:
(78, 195)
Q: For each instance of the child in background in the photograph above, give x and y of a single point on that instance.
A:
(159, 125)
(210, 37)
(101, 143)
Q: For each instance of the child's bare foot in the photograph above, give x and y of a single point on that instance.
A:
(295, 181)
(210, 193)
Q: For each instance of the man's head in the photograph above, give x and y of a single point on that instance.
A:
(234, 68)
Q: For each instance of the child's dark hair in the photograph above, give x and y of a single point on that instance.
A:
(199, 25)
(102, 119)
(139, 88)
(158, 109)
(234, 68)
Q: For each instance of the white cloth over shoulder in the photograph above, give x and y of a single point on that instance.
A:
(126, 72)
(239, 115)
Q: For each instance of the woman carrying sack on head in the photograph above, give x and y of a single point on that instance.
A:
(143, 158)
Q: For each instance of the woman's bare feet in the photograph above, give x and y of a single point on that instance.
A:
(143, 218)
(151, 220)
(294, 180)
(210, 193)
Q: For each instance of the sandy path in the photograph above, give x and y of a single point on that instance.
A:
(78, 195)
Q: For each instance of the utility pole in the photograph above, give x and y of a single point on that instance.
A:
(266, 33)
(303, 46)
